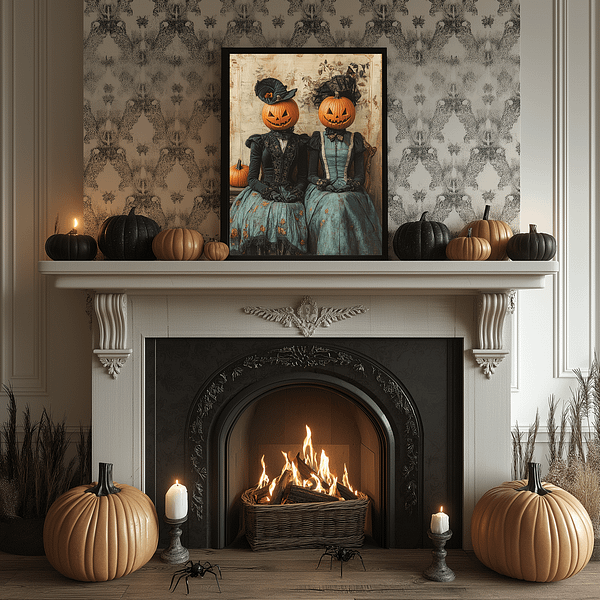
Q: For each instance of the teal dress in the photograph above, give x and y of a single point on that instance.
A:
(341, 217)
(268, 217)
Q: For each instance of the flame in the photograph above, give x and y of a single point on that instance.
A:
(75, 223)
(320, 480)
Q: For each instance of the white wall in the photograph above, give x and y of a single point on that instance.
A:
(45, 334)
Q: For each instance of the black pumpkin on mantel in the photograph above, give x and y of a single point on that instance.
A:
(421, 240)
(71, 246)
(531, 246)
(128, 237)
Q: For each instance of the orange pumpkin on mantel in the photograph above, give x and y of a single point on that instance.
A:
(496, 232)
(532, 531)
(468, 247)
(178, 243)
(101, 532)
(216, 250)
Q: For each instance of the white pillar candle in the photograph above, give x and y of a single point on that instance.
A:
(176, 502)
(440, 522)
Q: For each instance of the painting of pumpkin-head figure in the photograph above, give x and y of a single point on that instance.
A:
(310, 125)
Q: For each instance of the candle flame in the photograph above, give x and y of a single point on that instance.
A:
(177, 482)
(441, 509)
(75, 223)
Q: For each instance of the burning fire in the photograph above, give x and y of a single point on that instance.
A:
(309, 471)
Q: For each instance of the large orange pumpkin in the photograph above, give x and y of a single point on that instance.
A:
(337, 112)
(281, 115)
(100, 532)
(496, 232)
(532, 531)
(178, 243)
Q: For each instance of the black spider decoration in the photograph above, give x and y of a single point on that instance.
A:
(194, 570)
(341, 554)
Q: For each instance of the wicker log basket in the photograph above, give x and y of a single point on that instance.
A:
(304, 525)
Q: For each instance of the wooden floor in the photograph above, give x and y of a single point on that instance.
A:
(291, 575)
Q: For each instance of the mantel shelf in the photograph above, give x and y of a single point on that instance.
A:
(360, 277)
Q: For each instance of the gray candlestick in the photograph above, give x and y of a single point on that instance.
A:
(175, 554)
(438, 570)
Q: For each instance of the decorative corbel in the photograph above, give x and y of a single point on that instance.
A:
(111, 312)
(493, 308)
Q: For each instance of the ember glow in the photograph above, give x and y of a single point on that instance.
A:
(309, 470)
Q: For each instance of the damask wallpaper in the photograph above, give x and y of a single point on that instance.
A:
(152, 101)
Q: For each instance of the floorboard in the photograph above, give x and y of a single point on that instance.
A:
(292, 575)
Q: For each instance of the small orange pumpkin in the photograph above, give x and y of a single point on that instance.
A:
(532, 531)
(100, 532)
(496, 232)
(238, 174)
(281, 115)
(178, 243)
(216, 250)
(468, 248)
(337, 112)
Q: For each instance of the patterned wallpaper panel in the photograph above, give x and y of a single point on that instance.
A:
(152, 101)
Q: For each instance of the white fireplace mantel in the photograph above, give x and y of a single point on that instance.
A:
(136, 301)
(372, 277)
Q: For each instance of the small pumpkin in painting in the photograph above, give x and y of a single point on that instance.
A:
(337, 112)
(238, 174)
(531, 246)
(532, 530)
(216, 250)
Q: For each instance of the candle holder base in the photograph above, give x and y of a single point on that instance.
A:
(175, 554)
(438, 570)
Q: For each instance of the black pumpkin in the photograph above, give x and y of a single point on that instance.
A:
(71, 246)
(531, 246)
(128, 237)
(421, 240)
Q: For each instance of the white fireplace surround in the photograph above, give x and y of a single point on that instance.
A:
(138, 300)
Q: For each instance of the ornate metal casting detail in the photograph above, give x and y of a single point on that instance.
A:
(303, 357)
(307, 317)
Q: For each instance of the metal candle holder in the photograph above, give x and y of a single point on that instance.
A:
(175, 554)
(438, 570)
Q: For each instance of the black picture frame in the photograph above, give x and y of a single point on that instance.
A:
(303, 69)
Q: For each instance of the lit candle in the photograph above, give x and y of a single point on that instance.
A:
(176, 502)
(440, 522)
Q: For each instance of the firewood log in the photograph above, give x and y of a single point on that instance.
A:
(282, 483)
(307, 473)
(345, 492)
(297, 494)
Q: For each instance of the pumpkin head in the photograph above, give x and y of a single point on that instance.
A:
(496, 232)
(280, 115)
(421, 240)
(100, 532)
(468, 248)
(238, 174)
(531, 246)
(128, 237)
(532, 532)
(337, 112)
(216, 250)
(178, 244)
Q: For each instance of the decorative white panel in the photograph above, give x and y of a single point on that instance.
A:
(23, 177)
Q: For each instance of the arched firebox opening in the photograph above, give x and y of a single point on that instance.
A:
(271, 417)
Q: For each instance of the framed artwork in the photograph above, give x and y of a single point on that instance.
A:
(304, 149)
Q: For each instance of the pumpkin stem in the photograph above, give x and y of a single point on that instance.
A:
(423, 216)
(532, 228)
(105, 485)
(486, 212)
(470, 232)
(239, 164)
(534, 483)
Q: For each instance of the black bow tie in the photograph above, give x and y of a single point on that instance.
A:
(334, 135)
